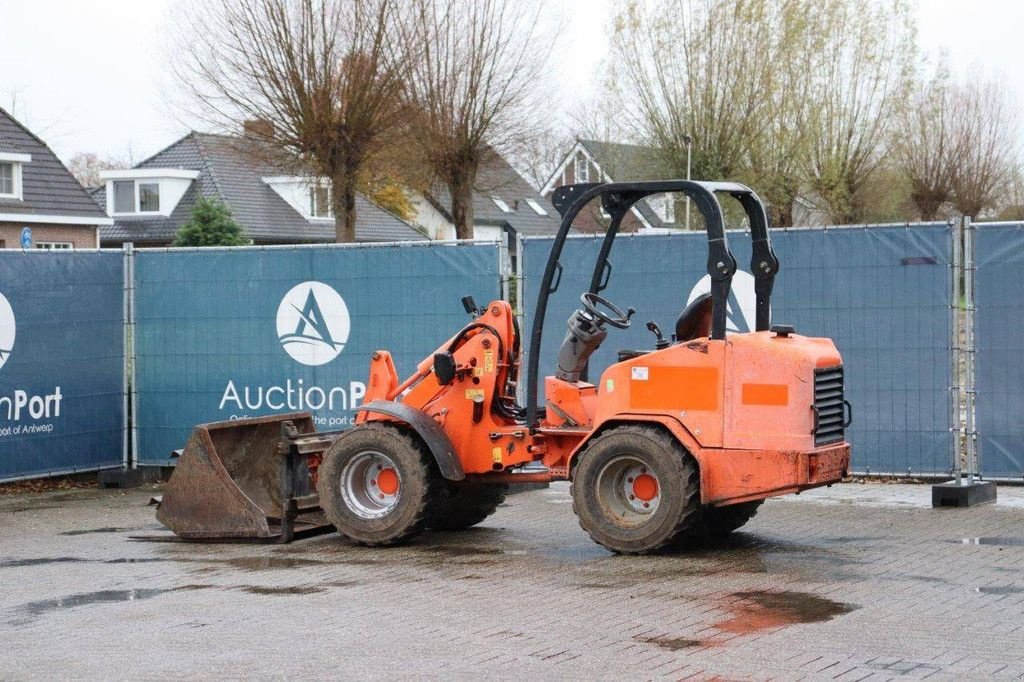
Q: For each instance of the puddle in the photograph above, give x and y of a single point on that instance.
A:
(996, 541)
(679, 643)
(460, 550)
(281, 591)
(759, 610)
(107, 529)
(19, 563)
(262, 563)
(1003, 589)
(36, 609)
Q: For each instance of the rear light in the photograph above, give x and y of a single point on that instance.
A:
(830, 407)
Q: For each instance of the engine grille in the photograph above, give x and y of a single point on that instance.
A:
(828, 406)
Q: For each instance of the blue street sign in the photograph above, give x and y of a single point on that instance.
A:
(26, 237)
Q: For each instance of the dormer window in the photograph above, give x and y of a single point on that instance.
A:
(146, 190)
(537, 208)
(131, 196)
(10, 175)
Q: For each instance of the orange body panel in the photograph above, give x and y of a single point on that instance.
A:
(741, 406)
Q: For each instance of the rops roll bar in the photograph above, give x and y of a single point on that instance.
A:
(617, 199)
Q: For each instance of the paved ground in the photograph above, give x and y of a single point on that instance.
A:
(848, 583)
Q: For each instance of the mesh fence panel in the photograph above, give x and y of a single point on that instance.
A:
(61, 362)
(999, 298)
(222, 334)
(881, 293)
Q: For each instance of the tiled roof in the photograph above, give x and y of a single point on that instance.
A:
(231, 170)
(48, 188)
(497, 178)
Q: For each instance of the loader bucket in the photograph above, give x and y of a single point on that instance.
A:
(237, 480)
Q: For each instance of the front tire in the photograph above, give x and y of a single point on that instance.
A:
(636, 490)
(376, 484)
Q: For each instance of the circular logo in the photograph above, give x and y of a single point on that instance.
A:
(6, 329)
(312, 323)
(741, 311)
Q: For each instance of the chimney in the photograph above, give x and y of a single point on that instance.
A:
(258, 128)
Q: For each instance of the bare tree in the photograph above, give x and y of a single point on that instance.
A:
(86, 167)
(988, 127)
(474, 84)
(926, 143)
(861, 72)
(694, 69)
(321, 74)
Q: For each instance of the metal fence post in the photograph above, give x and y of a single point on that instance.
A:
(126, 279)
(969, 351)
(955, 426)
(132, 375)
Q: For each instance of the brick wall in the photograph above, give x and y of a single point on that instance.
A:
(82, 236)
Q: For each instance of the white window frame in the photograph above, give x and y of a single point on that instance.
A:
(15, 161)
(135, 195)
(537, 208)
(138, 195)
(501, 204)
(314, 205)
(581, 168)
(56, 246)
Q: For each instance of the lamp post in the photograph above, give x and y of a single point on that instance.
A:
(689, 148)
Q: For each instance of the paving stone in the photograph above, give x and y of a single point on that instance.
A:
(855, 582)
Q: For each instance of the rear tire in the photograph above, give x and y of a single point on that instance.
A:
(720, 521)
(463, 505)
(636, 490)
(376, 484)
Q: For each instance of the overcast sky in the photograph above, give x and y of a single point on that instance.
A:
(87, 76)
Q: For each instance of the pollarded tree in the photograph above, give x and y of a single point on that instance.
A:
(321, 74)
(987, 127)
(473, 84)
(861, 75)
(926, 142)
(210, 224)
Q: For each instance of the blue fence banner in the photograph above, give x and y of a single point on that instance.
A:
(61, 362)
(881, 293)
(223, 334)
(999, 335)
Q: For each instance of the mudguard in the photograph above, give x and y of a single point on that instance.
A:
(429, 430)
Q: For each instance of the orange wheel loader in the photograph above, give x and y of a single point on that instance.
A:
(681, 441)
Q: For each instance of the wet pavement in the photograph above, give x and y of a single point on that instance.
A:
(855, 582)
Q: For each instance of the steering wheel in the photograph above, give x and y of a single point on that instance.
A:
(620, 320)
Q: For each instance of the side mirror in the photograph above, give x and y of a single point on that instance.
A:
(444, 368)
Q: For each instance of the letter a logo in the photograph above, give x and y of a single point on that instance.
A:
(313, 323)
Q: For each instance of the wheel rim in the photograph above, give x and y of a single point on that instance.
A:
(628, 489)
(371, 485)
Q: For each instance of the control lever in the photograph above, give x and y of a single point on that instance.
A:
(470, 305)
(660, 340)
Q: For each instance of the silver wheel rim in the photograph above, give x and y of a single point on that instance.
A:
(367, 488)
(628, 490)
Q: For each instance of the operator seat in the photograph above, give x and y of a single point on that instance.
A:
(695, 320)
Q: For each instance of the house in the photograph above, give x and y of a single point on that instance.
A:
(505, 206)
(272, 203)
(38, 192)
(597, 161)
